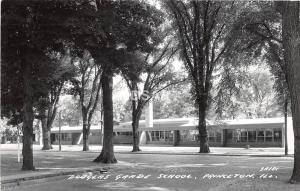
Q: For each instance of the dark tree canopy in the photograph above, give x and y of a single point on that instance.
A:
(32, 36)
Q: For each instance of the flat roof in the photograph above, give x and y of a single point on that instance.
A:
(186, 124)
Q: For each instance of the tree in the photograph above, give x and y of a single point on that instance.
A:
(291, 49)
(26, 44)
(158, 76)
(7, 131)
(88, 88)
(259, 32)
(136, 12)
(121, 107)
(259, 35)
(174, 103)
(70, 110)
(250, 95)
(47, 105)
(109, 32)
(286, 53)
(202, 28)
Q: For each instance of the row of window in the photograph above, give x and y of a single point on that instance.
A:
(161, 136)
(238, 135)
(96, 134)
(64, 136)
(155, 135)
(189, 135)
(242, 135)
(214, 136)
(128, 133)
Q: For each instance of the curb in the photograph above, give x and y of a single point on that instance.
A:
(17, 181)
(208, 154)
(13, 182)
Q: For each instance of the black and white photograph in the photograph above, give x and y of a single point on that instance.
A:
(150, 95)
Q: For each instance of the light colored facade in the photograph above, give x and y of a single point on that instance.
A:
(231, 133)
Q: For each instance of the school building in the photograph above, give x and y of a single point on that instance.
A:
(267, 132)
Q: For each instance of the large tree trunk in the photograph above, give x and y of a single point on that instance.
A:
(85, 133)
(50, 120)
(27, 121)
(135, 135)
(52, 110)
(286, 149)
(135, 126)
(45, 131)
(204, 148)
(107, 153)
(291, 46)
(46, 135)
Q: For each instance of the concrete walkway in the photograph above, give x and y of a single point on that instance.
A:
(153, 149)
(72, 160)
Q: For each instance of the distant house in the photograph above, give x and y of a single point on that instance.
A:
(267, 132)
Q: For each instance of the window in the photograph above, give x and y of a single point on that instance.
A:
(128, 133)
(251, 136)
(66, 137)
(214, 136)
(244, 135)
(183, 135)
(218, 136)
(194, 135)
(195, 138)
(168, 136)
(277, 135)
(229, 135)
(260, 136)
(155, 135)
(269, 135)
(211, 136)
(161, 135)
(236, 136)
(98, 134)
(190, 135)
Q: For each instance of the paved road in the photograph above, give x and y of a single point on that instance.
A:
(158, 172)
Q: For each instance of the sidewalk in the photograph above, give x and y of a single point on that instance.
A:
(154, 149)
(158, 149)
(54, 163)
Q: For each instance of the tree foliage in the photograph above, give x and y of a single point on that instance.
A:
(8, 131)
(202, 30)
(290, 12)
(258, 31)
(175, 102)
(250, 96)
(154, 74)
(87, 85)
(29, 37)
